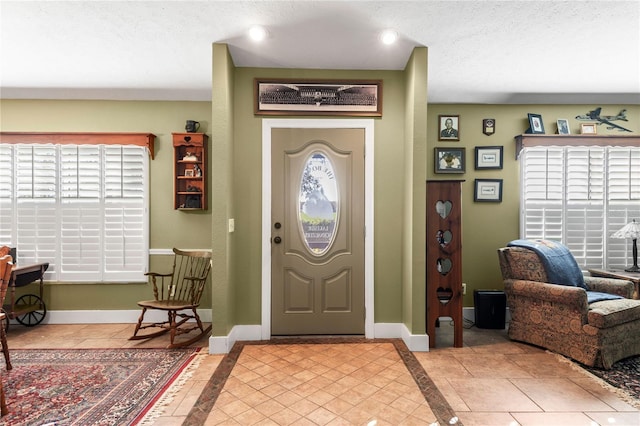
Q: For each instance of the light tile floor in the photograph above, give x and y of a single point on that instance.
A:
(489, 381)
(320, 381)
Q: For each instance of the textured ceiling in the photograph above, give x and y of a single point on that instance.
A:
(479, 51)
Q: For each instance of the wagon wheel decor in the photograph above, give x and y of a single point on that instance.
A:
(33, 306)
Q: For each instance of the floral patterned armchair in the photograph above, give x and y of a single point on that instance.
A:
(559, 317)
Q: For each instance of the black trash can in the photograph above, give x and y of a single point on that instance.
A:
(490, 308)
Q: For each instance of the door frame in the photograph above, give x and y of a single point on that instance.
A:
(267, 125)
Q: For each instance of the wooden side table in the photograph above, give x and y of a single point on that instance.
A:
(634, 277)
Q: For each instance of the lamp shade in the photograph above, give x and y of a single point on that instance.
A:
(631, 231)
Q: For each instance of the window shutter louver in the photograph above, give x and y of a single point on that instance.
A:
(624, 202)
(82, 208)
(542, 198)
(6, 195)
(580, 196)
(35, 204)
(125, 211)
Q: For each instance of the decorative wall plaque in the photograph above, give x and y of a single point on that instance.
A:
(488, 126)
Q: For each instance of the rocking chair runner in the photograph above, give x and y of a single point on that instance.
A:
(177, 293)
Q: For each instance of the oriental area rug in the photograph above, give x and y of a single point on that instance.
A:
(336, 380)
(90, 386)
(624, 377)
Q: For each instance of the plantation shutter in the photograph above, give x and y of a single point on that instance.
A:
(125, 212)
(624, 201)
(82, 208)
(80, 213)
(35, 206)
(6, 193)
(580, 196)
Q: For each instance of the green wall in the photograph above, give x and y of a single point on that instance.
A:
(415, 172)
(403, 162)
(488, 226)
(168, 227)
(389, 193)
(223, 200)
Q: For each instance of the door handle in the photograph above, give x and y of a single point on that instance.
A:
(277, 240)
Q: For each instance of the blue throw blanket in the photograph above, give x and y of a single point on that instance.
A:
(596, 296)
(561, 267)
(559, 263)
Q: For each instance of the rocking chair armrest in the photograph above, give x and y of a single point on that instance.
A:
(155, 274)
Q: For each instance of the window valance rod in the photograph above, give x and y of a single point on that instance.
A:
(95, 138)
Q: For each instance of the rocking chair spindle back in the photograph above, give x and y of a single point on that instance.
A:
(178, 293)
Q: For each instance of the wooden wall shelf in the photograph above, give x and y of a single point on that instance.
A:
(189, 187)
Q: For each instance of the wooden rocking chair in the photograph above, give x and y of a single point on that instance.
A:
(5, 276)
(177, 293)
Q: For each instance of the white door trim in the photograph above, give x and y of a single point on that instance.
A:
(267, 125)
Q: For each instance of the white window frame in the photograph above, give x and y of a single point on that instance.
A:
(580, 195)
(84, 209)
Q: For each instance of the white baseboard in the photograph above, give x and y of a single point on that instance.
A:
(110, 317)
(223, 344)
(415, 342)
(469, 314)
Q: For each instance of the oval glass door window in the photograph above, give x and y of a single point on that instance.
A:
(318, 203)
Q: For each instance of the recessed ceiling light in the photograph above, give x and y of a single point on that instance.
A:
(257, 33)
(389, 37)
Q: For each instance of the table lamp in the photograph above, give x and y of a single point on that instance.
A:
(632, 231)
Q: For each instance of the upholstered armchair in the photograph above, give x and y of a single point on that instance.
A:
(560, 318)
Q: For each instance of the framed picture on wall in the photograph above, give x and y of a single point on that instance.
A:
(449, 160)
(448, 127)
(488, 157)
(487, 190)
(318, 97)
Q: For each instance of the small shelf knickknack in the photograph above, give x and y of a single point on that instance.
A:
(190, 166)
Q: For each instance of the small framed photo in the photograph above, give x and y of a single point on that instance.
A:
(488, 190)
(448, 127)
(449, 160)
(563, 126)
(535, 123)
(189, 172)
(488, 157)
(588, 129)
